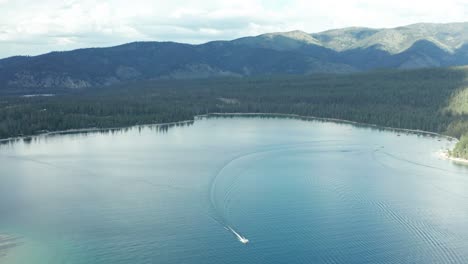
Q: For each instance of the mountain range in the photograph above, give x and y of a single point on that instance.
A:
(354, 49)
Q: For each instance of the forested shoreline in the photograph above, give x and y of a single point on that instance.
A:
(431, 100)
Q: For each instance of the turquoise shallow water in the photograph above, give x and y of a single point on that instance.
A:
(299, 191)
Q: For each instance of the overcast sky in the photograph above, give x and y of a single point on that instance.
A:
(30, 27)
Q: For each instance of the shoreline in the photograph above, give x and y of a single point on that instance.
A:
(272, 115)
(88, 130)
(337, 120)
(444, 154)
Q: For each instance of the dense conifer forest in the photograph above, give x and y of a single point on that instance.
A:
(433, 100)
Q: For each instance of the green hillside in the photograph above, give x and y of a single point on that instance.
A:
(427, 99)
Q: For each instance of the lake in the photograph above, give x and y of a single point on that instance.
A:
(299, 191)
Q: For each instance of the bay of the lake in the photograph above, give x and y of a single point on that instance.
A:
(233, 190)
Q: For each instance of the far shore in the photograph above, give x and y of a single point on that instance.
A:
(336, 120)
(89, 130)
(333, 120)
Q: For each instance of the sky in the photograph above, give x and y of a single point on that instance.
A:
(31, 27)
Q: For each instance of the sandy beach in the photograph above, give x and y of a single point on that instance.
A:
(444, 154)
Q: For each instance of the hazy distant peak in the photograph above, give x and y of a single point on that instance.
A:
(293, 52)
(280, 40)
(345, 38)
(448, 37)
(296, 35)
(346, 30)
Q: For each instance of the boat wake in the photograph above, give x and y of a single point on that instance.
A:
(241, 238)
(219, 208)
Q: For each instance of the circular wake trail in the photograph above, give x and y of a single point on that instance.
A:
(219, 210)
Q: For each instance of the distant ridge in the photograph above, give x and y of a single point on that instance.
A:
(296, 52)
(449, 37)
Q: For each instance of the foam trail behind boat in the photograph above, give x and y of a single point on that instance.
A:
(241, 239)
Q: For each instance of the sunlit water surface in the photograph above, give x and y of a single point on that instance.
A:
(298, 191)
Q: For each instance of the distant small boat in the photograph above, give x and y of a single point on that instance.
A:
(242, 239)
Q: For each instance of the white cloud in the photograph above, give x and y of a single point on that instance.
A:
(32, 27)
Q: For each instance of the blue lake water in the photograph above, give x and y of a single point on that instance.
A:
(299, 191)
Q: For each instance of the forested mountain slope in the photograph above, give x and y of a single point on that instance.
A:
(335, 51)
(425, 99)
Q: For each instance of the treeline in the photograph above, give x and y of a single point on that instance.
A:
(461, 149)
(429, 99)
